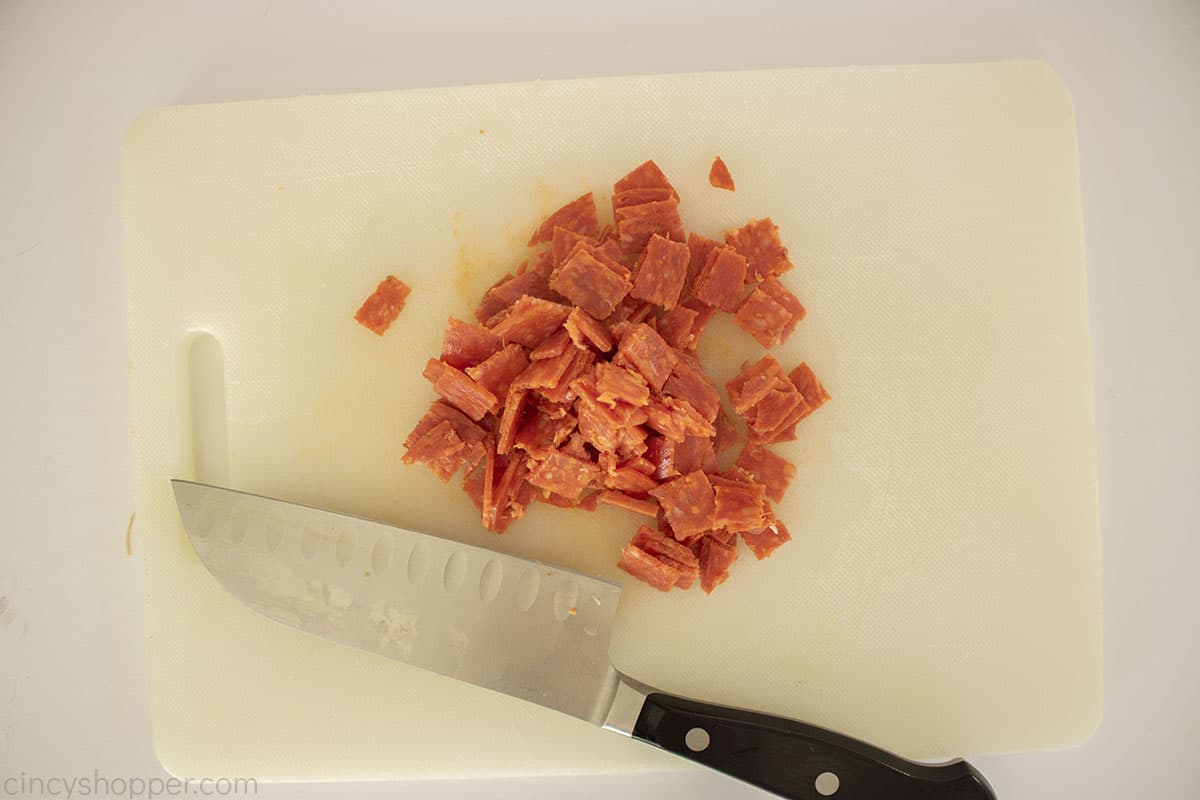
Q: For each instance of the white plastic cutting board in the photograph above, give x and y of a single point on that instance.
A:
(942, 593)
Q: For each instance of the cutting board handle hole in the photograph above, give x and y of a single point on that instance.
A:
(210, 437)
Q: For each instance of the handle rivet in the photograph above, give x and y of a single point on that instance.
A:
(697, 739)
(827, 784)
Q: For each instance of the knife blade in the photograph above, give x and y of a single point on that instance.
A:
(530, 630)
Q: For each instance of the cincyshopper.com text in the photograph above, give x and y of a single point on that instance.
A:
(97, 785)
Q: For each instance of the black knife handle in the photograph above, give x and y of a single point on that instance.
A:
(787, 757)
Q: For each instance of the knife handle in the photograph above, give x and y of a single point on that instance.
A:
(794, 760)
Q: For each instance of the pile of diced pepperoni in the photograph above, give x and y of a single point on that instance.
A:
(578, 383)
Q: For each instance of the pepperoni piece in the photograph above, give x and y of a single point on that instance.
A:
(440, 448)
(508, 291)
(602, 425)
(726, 435)
(687, 503)
(666, 549)
(379, 311)
(718, 175)
(510, 421)
(498, 371)
(699, 247)
(465, 345)
(695, 453)
(660, 452)
(715, 559)
(636, 197)
(758, 240)
(471, 434)
(754, 381)
(545, 373)
(539, 433)
(564, 474)
(662, 272)
(646, 175)
(636, 224)
(767, 539)
(675, 327)
(530, 320)
(769, 469)
(781, 295)
(615, 384)
(579, 216)
(634, 504)
(643, 349)
(806, 383)
(553, 346)
(561, 391)
(648, 569)
(763, 318)
(459, 390)
(563, 243)
(677, 419)
(738, 504)
(688, 381)
(585, 330)
(543, 264)
(720, 282)
(590, 283)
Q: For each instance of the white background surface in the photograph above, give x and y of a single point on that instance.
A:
(73, 75)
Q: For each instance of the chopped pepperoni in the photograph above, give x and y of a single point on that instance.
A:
(551, 347)
(545, 373)
(636, 224)
(660, 451)
(508, 291)
(687, 503)
(539, 433)
(380, 310)
(715, 559)
(561, 392)
(646, 175)
(718, 175)
(677, 419)
(496, 373)
(726, 435)
(634, 504)
(615, 384)
(465, 345)
(738, 504)
(662, 272)
(563, 243)
(585, 330)
(583, 385)
(457, 389)
(648, 569)
(765, 540)
(579, 216)
(688, 381)
(762, 317)
(675, 327)
(773, 471)
(642, 348)
(758, 240)
(666, 549)
(590, 283)
(564, 474)
(440, 448)
(635, 197)
(720, 282)
(510, 421)
(806, 383)
(530, 321)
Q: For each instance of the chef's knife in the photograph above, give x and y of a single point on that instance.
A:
(529, 630)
